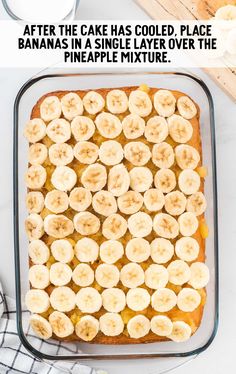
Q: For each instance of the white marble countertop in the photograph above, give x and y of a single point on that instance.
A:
(219, 357)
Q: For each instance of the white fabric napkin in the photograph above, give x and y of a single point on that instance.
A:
(14, 358)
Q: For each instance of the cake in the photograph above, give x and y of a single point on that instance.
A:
(115, 220)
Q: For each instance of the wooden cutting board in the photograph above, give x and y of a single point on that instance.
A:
(194, 10)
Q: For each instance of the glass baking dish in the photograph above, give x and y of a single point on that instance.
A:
(25, 100)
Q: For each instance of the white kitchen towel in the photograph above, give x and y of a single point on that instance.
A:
(14, 358)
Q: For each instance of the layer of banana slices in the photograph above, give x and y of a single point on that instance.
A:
(114, 205)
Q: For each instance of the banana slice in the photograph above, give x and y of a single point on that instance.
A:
(226, 13)
(35, 130)
(108, 125)
(163, 155)
(57, 201)
(130, 203)
(175, 203)
(63, 178)
(117, 101)
(38, 252)
(140, 224)
(40, 326)
(154, 199)
(37, 154)
(163, 300)
(164, 103)
(188, 300)
(114, 227)
(111, 153)
(50, 108)
(137, 153)
(181, 332)
(83, 275)
(162, 250)
(62, 299)
(180, 129)
(94, 177)
(82, 128)
(179, 272)
(189, 181)
(188, 224)
(80, 199)
(156, 130)
(93, 102)
(88, 300)
(86, 152)
(60, 274)
(87, 328)
(118, 180)
(71, 105)
(138, 299)
(86, 223)
(137, 250)
(86, 250)
(59, 130)
(107, 275)
(111, 251)
(138, 326)
(196, 203)
(58, 226)
(165, 226)
(186, 107)
(39, 276)
(156, 276)
(187, 249)
(113, 300)
(62, 250)
(200, 275)
(140, 103)
(104, 203)
(132, 275)
(61, 324)
(111, 324)
(141, 178)
(133, 126)
(187, 157)
(34, 202)
(61, 154)
(34, 226)
(165, 180)
(161, 325)
(35, 177)
(37, 301)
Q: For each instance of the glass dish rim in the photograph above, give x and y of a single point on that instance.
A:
(21, 335)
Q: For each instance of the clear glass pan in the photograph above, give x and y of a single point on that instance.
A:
(26, 99)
